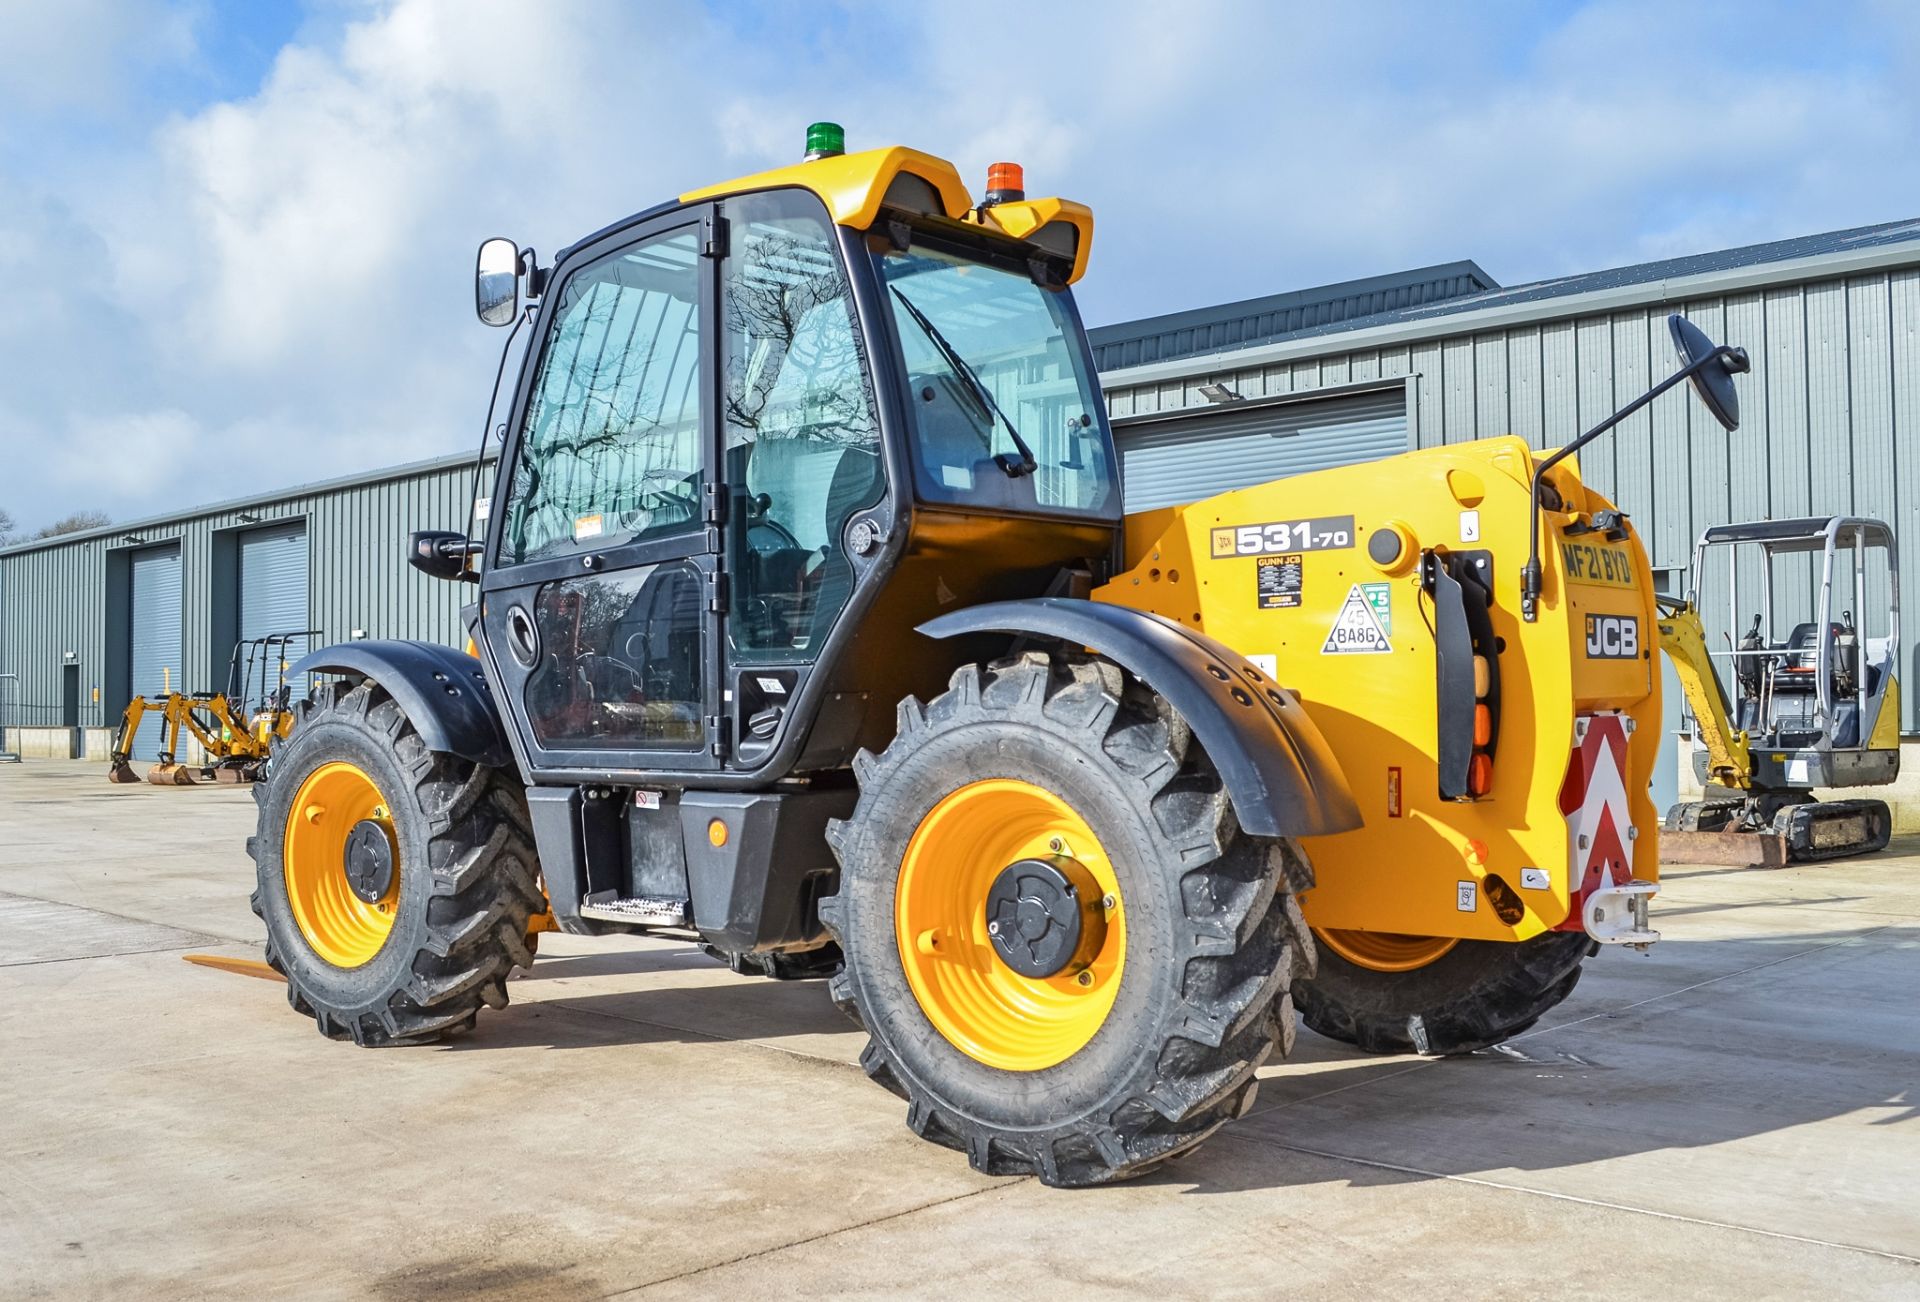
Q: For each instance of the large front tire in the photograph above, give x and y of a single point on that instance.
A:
(396, 883)
(1396, 994)
(1148, 1042)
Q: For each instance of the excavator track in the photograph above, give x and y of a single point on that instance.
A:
(1729, 832)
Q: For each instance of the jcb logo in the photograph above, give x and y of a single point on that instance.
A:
(1613, 637)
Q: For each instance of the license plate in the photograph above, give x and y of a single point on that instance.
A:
(1597, 564)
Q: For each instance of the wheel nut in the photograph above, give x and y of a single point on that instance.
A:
(993, 928)
(1085, 978)
(1056, 845)
(1109, 903)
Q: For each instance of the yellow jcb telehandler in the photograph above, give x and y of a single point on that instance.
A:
(809, 626)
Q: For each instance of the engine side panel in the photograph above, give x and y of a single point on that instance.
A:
(1317, 578)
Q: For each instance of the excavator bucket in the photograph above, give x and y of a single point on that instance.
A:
(170, 775)
(121, 771)
(1728, 849)
(234, 775)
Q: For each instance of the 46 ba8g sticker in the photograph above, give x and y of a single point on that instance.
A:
(1322, 533)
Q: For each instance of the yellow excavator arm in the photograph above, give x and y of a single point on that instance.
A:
(1684, 640)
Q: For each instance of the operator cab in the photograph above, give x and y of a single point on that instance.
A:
(829, 397)
(1817, 697)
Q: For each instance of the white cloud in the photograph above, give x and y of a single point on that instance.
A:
(75, 55)
(276, 287)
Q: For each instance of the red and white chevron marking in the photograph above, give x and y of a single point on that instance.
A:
(1594, 801)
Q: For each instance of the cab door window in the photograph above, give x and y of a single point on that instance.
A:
(612, 654)
(610, 449)
(798, 426)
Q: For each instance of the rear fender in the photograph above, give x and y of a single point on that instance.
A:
(443, 693)
(1278, 770)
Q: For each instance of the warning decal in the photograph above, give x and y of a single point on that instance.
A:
(1277, 580)
(1357, 629)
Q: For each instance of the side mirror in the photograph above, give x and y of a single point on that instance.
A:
(442, 553)
(496, 282)
(1713, 381)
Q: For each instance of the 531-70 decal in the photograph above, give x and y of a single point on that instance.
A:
(1322, 533)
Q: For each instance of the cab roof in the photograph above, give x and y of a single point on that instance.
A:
(854, 187)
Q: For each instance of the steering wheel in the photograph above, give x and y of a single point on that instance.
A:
(661, 490)
(758, 519)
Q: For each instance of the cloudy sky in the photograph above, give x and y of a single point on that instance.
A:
(236, 238)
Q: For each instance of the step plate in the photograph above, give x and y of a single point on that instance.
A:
(646, 911)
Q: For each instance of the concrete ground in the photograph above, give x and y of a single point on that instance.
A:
(1736, 1114)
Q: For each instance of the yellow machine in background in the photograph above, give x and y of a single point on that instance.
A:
(235, 731)
(235, 747)
(1815, 702)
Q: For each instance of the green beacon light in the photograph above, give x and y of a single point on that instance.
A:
(825, 140)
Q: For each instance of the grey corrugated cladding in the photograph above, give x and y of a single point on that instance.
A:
(62, 594)
(1240, 444)
(1277, 316)
(1830, 412)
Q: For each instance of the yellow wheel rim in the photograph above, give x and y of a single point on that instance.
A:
(343, 929)
(1385, 951)
(984, 1008)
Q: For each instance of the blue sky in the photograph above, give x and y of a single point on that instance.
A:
(238, 236)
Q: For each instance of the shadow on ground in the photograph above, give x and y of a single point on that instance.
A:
(1687, 1052)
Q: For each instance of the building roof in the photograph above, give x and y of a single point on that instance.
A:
(1694, 274)
(1280, 316)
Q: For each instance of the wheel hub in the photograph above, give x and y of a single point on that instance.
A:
(368, 859)
(1044, 916)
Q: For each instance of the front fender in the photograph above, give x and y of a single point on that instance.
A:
(1279, 771)
(442, 691)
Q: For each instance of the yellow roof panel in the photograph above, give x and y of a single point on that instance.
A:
(852, 185)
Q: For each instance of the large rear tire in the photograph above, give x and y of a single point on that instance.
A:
(1147, 1040)
(1398, 995)
(396, 883)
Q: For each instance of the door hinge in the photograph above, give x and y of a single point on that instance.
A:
(716, 591)
(717, 734)
(713, 503)
(715, 244)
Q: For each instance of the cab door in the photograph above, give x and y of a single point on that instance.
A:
(802, 456)
(600, 593)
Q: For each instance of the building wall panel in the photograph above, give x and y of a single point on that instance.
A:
(53, 598)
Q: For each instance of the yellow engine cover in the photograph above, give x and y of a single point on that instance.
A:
(1283, 573)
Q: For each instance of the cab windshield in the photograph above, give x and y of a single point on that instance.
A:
(1005, 413)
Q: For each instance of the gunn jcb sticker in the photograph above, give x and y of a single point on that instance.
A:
(1613, 637)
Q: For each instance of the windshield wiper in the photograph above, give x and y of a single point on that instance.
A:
(1024, 464)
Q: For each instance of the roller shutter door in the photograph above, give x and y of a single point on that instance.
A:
(1168, 460)
(155, 632)
(273, 596)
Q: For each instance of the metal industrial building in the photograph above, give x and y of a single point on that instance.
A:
(89, 619)
(1201, 401)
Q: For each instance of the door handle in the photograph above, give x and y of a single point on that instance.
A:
(523, 639)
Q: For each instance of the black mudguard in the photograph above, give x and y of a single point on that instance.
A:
(1279, 771)
(443, 691)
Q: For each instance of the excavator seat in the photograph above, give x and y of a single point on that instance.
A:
(1799, 663)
